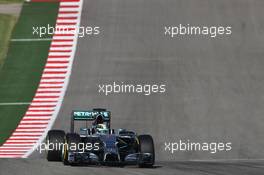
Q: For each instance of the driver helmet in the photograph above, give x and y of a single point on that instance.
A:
(101, 128)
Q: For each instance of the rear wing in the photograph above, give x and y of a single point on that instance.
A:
(89, 115)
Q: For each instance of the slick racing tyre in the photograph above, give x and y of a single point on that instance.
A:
(72, 140)
(146, 145)
(55, 140)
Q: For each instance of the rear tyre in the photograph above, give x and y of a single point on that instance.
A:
(55, 140)
(146, 145)
(72, 140)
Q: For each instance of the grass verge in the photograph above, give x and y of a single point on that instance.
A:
(11, 1)
(7, 23)
(21, 72)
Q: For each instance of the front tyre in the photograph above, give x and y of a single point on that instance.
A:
(72, 140)
(146, 148)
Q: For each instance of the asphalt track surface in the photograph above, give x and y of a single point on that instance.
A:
(214, 85)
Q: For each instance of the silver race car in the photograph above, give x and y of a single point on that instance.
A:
(95, 143)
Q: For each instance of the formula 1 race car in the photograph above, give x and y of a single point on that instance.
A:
(99, 144)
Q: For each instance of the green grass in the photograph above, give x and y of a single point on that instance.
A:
(7, 23)
(11, 1)
(23, 66)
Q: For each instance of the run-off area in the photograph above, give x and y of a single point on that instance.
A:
(23, 66)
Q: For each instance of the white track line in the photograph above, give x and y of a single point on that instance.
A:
(224, 160)
(15, 104)
(31, 39)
